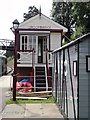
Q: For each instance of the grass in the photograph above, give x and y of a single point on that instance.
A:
(20, 101)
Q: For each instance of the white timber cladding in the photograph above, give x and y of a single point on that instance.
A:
(55, 40)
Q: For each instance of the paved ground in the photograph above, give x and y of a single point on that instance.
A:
(23, 110)
(31, 111)
(5, 83)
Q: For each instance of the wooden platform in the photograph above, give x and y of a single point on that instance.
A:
(35, 94)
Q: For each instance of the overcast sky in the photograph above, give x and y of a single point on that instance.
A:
(14, 9)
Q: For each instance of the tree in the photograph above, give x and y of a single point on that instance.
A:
(61, 13)
(81, 15)
(32, 11)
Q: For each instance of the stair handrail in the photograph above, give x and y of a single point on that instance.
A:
(47, 66)
(46, 79)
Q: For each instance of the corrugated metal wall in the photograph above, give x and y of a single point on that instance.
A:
(66, 85)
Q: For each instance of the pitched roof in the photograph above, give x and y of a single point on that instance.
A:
(43, 22)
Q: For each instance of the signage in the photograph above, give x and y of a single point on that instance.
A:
(40, 27)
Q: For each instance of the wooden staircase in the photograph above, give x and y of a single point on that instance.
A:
(40, 78)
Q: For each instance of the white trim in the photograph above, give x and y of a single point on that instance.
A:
(23, 32)
(24, 65)
(30, 65)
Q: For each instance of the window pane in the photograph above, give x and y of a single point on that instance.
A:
(30, 39)
(25, 47)
(22, 39)
(22, 47)
(30, 47)
(25, 39)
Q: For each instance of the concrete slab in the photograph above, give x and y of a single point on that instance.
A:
(14, 111)
(43, 111)
(31, 111)
(50, 111)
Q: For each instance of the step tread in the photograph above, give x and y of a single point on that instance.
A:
(40, 69)
(41, 84)
(41, 80)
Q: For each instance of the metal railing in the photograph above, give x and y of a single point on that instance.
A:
(46, 79)
(48, 61)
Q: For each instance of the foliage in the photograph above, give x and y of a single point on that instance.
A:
(32, 11)
(19, 101)
(73, 15)
(78, 32)
(81, 15)
(61, 13)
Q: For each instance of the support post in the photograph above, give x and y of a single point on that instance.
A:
(15, 65)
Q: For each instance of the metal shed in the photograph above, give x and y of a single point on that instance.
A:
(71, 78)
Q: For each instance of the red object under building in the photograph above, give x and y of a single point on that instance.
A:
(28, 86)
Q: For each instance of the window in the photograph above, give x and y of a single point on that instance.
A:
(32, 42)
(74, 68)
(88, 63)
(28, 42)
(24, 42)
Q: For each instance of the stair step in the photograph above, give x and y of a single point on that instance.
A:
(43, 83)
(40, 85)
(41, 89)
(40, 68)
(40, 79)
(40, 72)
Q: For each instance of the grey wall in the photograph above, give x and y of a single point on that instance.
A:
(89, 82)
(73, 57)
(83, 80)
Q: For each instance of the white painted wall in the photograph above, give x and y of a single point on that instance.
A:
(55, 40)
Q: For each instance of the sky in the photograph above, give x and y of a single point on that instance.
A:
(14, 9)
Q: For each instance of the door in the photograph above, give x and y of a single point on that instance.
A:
(40, 50)
(42, 46)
